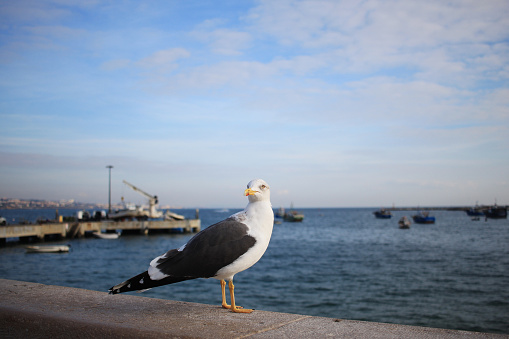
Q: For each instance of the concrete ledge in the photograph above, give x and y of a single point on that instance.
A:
(29, 310)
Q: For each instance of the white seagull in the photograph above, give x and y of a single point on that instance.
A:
(219, 251)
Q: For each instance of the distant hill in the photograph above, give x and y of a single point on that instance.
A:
(10, 203)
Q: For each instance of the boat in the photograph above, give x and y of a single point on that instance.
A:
(173, 216)
(280, 213)
(138, 212)
(404, 223)
(423, 217)
(152, 201)
(383, 214)
(496, 212)
(129, 212)
(103, 235)
(475, 211)
(48, 249)
(293, 216)
(278, 216)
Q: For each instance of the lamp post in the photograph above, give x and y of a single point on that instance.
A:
(109, 167)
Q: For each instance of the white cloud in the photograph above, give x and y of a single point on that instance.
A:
(32, 12)
(348, 96)
(113, 65)
(434, 36)
(224, 41)
(55, 32)
(164, 60)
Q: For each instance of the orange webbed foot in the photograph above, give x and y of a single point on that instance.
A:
(234, 308)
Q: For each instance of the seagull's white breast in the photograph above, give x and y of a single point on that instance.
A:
(259, 219)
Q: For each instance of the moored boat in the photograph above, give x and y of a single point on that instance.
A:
(293, 216)
(496, 212)
(280, 213)
(383, 214)
(104, 235)
(173, 216)
(475, 211)
(48, 249)
(404, 223)
(423, 217)
(129, 212)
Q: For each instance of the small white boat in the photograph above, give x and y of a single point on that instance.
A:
(173, 216)
(48, 249)
(101, 235)
(404, 223)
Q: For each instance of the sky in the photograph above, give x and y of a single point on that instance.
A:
(333, 103)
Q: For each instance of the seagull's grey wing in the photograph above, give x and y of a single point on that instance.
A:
(208, 251)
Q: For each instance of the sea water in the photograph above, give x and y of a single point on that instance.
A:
(339, 263)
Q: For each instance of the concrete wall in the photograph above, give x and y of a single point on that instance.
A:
(29, 310)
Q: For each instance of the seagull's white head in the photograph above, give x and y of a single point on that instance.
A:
(257, 190)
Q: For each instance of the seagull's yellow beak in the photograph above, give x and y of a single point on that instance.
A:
(250, 192)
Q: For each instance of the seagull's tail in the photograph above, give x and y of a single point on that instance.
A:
(142, 282)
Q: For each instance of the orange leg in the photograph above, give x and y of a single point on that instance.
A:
(237, 309)
(224, 304)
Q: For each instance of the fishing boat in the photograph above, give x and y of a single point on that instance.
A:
(293, 216)
(475, 211)
(280, 212)
(383, 214)
(404, 223)
(104, 235)
(278, 216)
(48, 249)
(496, 212)
(423, 217)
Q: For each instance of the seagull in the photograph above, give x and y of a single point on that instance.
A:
(220, 251)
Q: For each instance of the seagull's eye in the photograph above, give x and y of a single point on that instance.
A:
(263, 187)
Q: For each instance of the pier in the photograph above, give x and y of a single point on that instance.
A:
(30, 310)
(80, 229)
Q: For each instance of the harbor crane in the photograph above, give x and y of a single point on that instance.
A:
(152, 201)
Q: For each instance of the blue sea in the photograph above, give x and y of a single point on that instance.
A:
(339, 263)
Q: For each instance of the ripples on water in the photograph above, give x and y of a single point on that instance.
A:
(340, 263)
